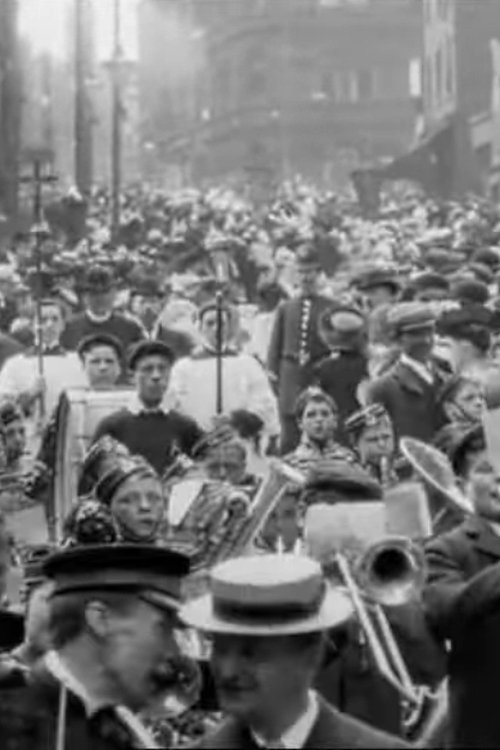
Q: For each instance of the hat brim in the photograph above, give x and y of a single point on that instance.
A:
(200, 614)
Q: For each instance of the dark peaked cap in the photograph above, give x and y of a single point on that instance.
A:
(120, 567)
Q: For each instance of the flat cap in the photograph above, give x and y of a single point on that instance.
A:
(343, 480)
(482, 272)
(453, 322)
(375, 277)
(487, 257)
(411, 316)
(470, 291)
(149, 348)
(430, 280)
(120, 567)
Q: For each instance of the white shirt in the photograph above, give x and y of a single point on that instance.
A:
(245, 385)
(419, 368)
(135, 406)
(72, 684)
(297, 735)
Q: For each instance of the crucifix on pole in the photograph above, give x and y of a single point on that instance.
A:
(40, 232)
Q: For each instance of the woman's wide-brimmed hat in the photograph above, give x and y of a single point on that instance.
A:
(268, 595)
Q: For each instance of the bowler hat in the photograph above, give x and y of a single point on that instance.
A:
(155, 571)
(268, 595)
(149, 348)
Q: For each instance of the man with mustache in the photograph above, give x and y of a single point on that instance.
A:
(267, 616)
(114, 651)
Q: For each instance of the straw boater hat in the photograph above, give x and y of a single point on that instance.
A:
(268, 595)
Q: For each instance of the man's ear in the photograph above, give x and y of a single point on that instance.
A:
(97, 619)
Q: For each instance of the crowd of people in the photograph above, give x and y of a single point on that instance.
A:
(299, 341)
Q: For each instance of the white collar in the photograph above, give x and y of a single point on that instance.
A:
(72, 684)
(418, 367)
(98, 318)
(297, 735)
(63, 675)
(136, 407)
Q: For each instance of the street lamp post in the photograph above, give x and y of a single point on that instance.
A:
(116, 136)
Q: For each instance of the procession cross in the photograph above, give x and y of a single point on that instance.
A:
(40, 233)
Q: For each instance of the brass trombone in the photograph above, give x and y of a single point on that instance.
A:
(388, 574)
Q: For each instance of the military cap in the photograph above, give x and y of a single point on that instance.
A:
(9, 413)
(156, 573)
(33, 561)
(368, 417)
(342, 480)
(124, 468)
(148, 348)
(470, 291)
(411, 316)
(307, 255)
(376, 277)
(98, 280)
(430, 280)
(268, 596)
(100, 339)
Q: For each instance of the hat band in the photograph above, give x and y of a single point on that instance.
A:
(269, 614)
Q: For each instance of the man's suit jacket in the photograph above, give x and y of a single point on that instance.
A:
(28, 719)
(331, 730)
(283, 357)
(412, 404)
(462, 601)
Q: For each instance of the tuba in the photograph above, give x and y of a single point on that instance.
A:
(437, 473)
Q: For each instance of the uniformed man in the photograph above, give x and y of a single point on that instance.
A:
(113, 621)
(296, 345)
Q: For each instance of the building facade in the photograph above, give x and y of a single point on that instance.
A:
(10, 107)
(265, 89)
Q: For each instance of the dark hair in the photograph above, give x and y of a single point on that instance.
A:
(101, 339)
(67, 615)
(316, 396)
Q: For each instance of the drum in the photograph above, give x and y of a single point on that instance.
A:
(82, 410)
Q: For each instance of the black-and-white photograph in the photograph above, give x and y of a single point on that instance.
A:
(249, 374)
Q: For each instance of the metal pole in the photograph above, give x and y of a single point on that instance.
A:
(116, 156)
(83, 124)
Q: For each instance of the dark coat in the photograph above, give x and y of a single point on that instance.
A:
(28, 719)
(412, 404)
(331, 730)
(339, 375)
(462, 600)
(290, 377)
